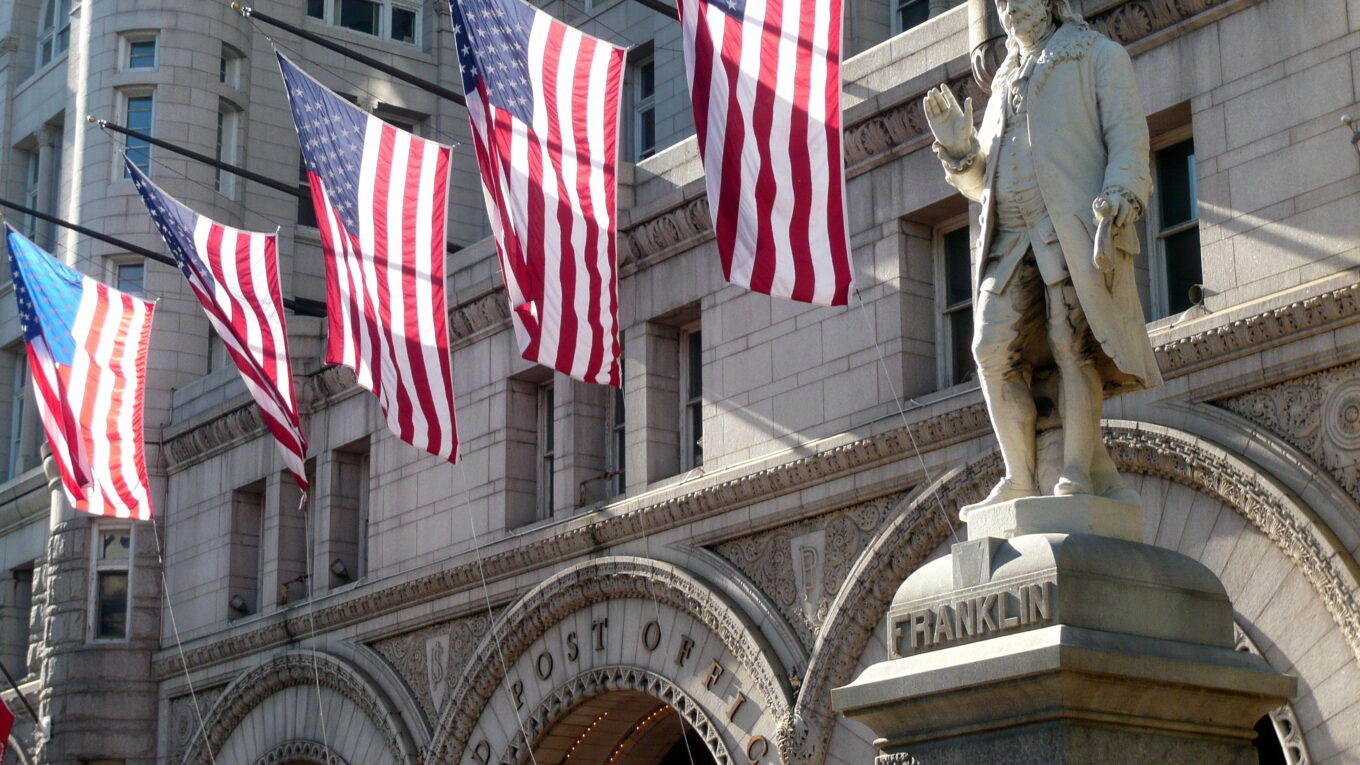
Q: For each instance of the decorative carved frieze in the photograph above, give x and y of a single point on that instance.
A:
(237, 425)
(1319, 414)
(293, 752)
(430, 659)
(679, 228)
(801, 566)
(186, 723)
(488, 310)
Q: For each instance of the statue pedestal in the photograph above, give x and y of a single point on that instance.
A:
(1062, 648)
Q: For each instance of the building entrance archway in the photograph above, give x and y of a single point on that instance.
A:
(622, 728)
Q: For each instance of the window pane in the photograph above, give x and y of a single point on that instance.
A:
(693, 351)
(360, 15)
(131, 277)
(111, 621)
(646, 133)
(1183, 268)
(961, 345)
(115, 545)
(696, 429)
(1176, 183)
(646, 80)
(403, 25)
(958, 278)
(618, 407)
(912, 12)
(316, 9)
(142, 54)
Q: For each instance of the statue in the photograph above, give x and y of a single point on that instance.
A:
(1060, 167)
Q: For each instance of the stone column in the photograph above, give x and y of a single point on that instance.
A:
(47, 137)
(1054, 635)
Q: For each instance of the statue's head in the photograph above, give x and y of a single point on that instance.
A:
(1027, 20)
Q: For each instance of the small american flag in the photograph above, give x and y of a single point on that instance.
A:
(380, 196)
(235, 276)
(87, 349)
(543, 100)
(765, 84)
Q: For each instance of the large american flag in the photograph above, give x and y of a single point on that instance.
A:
(235, 276)
(87, 352)
(543, 100)
(765, 84)
(380, 196)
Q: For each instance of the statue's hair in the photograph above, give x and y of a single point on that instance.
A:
(1065, 16)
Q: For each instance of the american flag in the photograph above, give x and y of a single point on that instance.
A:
(765, 84)
(543, 100)
(87, 351)
(380, 195)
(235, 276)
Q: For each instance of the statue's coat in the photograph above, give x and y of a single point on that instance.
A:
(1087, 134)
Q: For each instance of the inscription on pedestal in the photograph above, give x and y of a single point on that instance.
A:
(969, 615)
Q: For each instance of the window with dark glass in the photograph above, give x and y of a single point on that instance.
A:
(402, 27)
(643, 77)
(910, 13)
(316, 9)
(139, 117)
(546, 450)
(692, 393)
(306, 214)
(1177, 247)
(617, 443)
(113, 564)
(54, 30)
(141, 54)
(957, 305)
(359, 15)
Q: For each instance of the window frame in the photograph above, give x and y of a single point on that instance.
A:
(640, 105)
(897, 6)
(127, 40)
(115, 277)
(98, 566)
(944, 310)
(229, 67)
(691, 437)
(125, 99)
(616, 448)
(1158, 286)
(545, 448)
(54, 26)
(32, 188)
(330, 16)
(17, 409)
(228, 146)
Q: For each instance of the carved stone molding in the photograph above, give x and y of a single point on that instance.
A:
(896, 758)
(488, 310)
(185, 721)
(674, 230)
(581, 586)
(606, 680)
(1318, 414)
(292, 751)
(299, 669)
(889, 446)
(801, 586)
(1283, 718)
(920, 528)
(1137, 19)
(427, 659)
(226, 430)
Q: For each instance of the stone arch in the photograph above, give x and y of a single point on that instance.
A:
(582, 585)
(1140, 449)
(604, 680)
(285, 753)
(308, 670)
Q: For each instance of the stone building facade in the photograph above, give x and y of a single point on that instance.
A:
(681, 571)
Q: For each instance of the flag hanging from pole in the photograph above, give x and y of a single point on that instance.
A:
(543, 100)
(380, 196)
(6, 725)
(87, 351)
(765, 86)
(235, 276)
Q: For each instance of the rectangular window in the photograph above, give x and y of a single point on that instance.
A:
(229, 67)
(1177, 266)
(349, 514)
(521, 449)
(643, 76)
(956, 301)
(54, 30)
(23, 609)
(18, 399)
(359, 15)
(131, 278)
(293, 566)
(243, 566)
(141, 53)
(910, 13)
(546, 448)
(32, 193)
(316, 9)
(692, 394)
(228, 122)
(306, 214)
(112, 576)
(618, 444)
(138, 115)
(402, 26)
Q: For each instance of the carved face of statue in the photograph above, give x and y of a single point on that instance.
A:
(1025, 20)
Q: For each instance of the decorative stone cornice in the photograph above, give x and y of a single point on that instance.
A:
(921, 527)
(889, 446)
(489, 309)
(213, 436)
(609, 679)
(1256, 333)
(580, 587)
(669, 232)
(300, 669)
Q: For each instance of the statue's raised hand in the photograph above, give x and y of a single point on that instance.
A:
(952, 126)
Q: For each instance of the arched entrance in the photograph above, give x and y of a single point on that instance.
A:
(623, 728)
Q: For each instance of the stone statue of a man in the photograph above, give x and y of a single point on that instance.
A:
(1060, 167)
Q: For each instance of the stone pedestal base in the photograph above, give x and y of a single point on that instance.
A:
(1063, 648)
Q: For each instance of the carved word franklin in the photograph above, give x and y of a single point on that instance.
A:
(929, 626)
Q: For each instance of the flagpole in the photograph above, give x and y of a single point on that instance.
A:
(37, 723)
(300, 306)
(204, 158)
(419, 82)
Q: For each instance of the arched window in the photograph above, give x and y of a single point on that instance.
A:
(54, 30)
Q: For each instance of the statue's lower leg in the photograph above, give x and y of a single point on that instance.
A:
(1081, 405)
(1010, 404)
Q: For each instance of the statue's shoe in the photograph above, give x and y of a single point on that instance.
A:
(1006, 490)
(1073, 481)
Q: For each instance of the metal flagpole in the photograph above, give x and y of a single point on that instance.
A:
(300, 306)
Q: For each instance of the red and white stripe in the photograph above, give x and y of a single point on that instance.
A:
(550, 193)
(385, 285)
(92, 410)
(765, 90)
(245, 306)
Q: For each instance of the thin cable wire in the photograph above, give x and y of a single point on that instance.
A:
(883, 364)
(179, 645)
(311, 619)
(486, 598)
